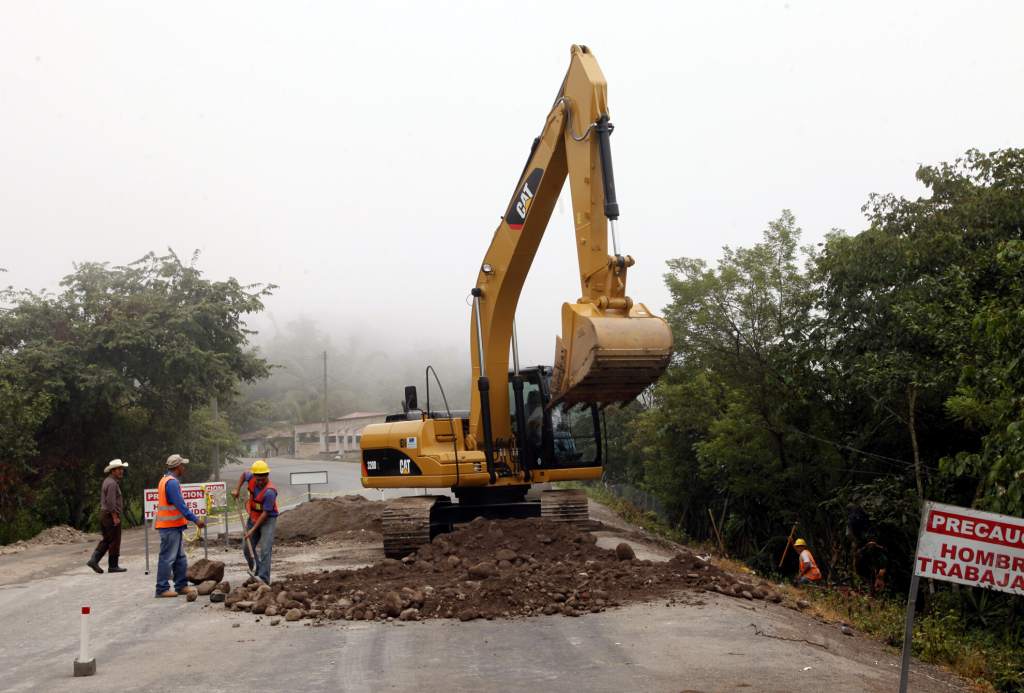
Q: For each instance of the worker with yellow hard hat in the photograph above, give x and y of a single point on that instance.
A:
(262, 509)
(809, 572)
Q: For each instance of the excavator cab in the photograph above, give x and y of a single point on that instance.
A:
(558, 436)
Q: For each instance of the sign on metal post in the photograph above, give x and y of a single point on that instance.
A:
(972, 548)
(307, 478)
(194, 496)
(969, 547)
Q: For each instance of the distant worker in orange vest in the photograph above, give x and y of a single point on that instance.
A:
(262, 507)
(809, 572)
(171, 517)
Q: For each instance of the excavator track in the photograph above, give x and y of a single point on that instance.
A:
(406, 524)
(565, 505)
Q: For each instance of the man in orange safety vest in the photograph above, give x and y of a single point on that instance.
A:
(171, 517)
(808, 570)
(262, 507)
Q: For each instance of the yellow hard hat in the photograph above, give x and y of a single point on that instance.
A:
(260, 467)
(798, 542)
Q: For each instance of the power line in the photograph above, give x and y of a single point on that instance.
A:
(850, 448)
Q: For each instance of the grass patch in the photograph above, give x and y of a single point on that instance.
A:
(940, 637)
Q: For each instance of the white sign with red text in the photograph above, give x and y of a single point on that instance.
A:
(194, 495)
(971, 547)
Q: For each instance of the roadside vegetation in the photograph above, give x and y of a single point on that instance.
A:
(966, 631)
(122, 362)
(835, 387)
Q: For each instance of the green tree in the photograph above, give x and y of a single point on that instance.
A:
(921, 302)
(735, 410)
(990, 396)
(121, 363)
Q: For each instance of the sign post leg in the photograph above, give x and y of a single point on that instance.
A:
(227, 528)
(309, 492)
(145, 523)
(206, 548)
(908, 634)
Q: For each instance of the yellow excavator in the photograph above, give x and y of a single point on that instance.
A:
(529, 425)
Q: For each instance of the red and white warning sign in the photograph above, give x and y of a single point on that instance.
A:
(194, 495)
(971, 547)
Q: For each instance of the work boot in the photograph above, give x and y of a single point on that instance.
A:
(113, 567)
(167, 594)
(94, 562)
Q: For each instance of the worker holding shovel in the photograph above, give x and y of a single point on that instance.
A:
(262, 509)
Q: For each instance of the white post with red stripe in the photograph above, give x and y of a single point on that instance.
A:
(84, 664)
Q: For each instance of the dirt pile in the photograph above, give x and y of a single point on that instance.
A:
(61, 534)
(321, 517)
(494, 569)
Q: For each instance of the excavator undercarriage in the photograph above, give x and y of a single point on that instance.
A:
(413, 521)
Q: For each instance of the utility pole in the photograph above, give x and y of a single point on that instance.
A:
(216, 443)
(327, 440)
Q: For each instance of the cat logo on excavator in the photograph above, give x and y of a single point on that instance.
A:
(520, 207)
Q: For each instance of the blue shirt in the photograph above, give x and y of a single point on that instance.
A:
(269, 499)
(173, 490)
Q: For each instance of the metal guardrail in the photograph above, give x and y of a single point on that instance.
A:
(640, 498)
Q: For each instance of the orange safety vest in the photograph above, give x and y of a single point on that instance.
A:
(809, 568)
(255, 504)
(167, 515)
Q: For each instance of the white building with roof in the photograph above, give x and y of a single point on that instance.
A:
(343, 434)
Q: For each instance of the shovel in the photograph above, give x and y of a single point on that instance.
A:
(248, 542)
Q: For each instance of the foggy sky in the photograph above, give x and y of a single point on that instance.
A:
(360, 155)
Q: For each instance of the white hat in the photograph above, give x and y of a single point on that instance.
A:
(115, 464)
(176, 460)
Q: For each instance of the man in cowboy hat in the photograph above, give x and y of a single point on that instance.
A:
(171, 517)
(111, 509)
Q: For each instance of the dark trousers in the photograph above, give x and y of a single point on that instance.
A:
(111, 540)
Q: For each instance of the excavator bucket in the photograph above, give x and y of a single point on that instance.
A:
(607, 356)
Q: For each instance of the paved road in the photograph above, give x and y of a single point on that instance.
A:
(169, 645)
(141, 643)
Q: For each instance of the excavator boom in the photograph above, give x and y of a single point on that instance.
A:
(611, 348)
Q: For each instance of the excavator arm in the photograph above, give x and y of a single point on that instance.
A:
(611, 348)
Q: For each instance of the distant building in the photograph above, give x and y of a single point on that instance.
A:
(274, 441)
(343, 434)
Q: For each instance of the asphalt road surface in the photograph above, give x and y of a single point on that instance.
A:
(708, 643)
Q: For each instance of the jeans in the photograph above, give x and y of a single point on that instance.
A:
(172, 560)
(263, 544)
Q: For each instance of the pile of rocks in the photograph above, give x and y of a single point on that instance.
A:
(494, 569)
(60, 534)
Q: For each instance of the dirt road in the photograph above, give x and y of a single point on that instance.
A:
(710, 644)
